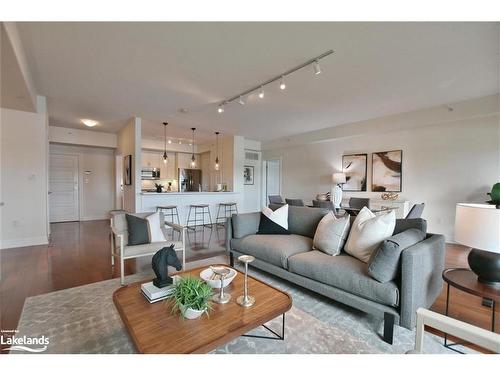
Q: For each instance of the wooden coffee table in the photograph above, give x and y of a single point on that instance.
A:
(154, 329)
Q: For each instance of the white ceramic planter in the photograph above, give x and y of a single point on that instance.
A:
(190, 313)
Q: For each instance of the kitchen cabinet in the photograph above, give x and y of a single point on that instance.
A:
(150, 160)
(184, 161)
(168, 170)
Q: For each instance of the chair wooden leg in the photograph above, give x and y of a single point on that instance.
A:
(122, 271)
(231, 259)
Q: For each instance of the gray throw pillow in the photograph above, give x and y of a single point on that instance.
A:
(331, 234)
(138, 231)
(383, 265)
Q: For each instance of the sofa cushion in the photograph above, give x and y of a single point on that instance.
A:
(384, 262)
(344, 272)
(279, 216)
(269, 226)
(245, 224)
(331, 234)
(404, 224)
(275, 249)
(304, 220)
(367, 233)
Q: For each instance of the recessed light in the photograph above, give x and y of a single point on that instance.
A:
(169, 141)
(89, 123)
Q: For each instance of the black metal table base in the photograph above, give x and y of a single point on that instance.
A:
(276, 336)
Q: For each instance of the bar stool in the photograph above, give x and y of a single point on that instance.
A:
(171, 212)
(228, 209)
(200, 210)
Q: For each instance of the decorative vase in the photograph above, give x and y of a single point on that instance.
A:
(337, 196)
(159, 189)
(190, 313)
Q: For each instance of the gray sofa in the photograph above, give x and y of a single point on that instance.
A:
(343, 278)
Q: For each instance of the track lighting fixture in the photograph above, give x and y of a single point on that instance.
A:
(282, 84)
(165, 156)
(316, 67)
(261, 93)
(260, 87)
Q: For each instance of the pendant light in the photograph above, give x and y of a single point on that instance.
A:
(193, 159)
(165, 156)
(217, 151)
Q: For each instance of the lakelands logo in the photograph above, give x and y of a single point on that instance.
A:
(24, 343)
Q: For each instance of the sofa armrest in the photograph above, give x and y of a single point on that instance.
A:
(421, 282)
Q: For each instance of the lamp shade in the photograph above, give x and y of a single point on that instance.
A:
(338, 178)
(478, 226)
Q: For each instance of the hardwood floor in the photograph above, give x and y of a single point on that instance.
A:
(79, 254)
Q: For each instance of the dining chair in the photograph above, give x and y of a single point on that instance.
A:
(359, 203)
(323, 204)
(294, 202)
(416, 211)
(275, 199)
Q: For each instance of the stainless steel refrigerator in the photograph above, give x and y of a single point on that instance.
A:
(189, 179)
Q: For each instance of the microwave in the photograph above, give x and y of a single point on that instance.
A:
(150, 174)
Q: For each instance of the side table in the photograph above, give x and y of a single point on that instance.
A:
(465, 280)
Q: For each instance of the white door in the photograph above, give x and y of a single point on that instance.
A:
(273, 177)
(63, 188)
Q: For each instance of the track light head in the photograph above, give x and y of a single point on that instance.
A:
(261, 93)
(221, 108)
(241, 101)
(282, 84)
(169, 141)
(316, 67)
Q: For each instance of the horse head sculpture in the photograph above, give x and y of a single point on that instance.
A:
(161, 260)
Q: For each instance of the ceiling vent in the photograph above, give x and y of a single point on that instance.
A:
(251, 155)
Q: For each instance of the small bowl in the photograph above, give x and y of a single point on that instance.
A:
(207, 274)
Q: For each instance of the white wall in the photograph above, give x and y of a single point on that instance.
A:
(95, 179)
(24, 176)
(129, 143)
(252, 193)
(82, 137)
(443, 163)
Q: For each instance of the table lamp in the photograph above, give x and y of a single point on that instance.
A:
(338, 179)
(478, 226)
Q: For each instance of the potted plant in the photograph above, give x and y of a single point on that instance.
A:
(495, 195)
(159, 188)
(192, 297)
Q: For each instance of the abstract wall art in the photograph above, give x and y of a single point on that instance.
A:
(354, 167)
(387, 171)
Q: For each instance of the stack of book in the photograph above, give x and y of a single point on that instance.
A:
(155, 294)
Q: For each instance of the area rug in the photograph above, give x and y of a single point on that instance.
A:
(84, 320)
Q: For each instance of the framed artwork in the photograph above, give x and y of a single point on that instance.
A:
(387, 171)
(354, 166)
(248, 176)
(127, 170)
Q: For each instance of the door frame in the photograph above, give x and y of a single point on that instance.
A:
(79, 159)
(264, 178)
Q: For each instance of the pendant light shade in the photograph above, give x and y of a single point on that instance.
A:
(165, 156)
(193, 159)
(217, 166)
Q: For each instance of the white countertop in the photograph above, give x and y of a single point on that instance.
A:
(188, 193)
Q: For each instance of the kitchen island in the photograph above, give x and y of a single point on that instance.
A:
(150, 200)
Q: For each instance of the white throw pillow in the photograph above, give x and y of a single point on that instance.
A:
(280, 216)
(155, 232)
(368, 231)
(331, 234)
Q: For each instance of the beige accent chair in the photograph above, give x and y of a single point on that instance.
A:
(119, 241)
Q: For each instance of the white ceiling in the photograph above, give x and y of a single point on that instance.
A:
(112, 71)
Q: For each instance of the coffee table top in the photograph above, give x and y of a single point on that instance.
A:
(154, 329)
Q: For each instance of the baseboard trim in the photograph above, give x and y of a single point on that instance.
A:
(23, 242)
(90, 218)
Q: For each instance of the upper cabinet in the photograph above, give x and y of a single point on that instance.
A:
(152, 159)
(184, 161)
